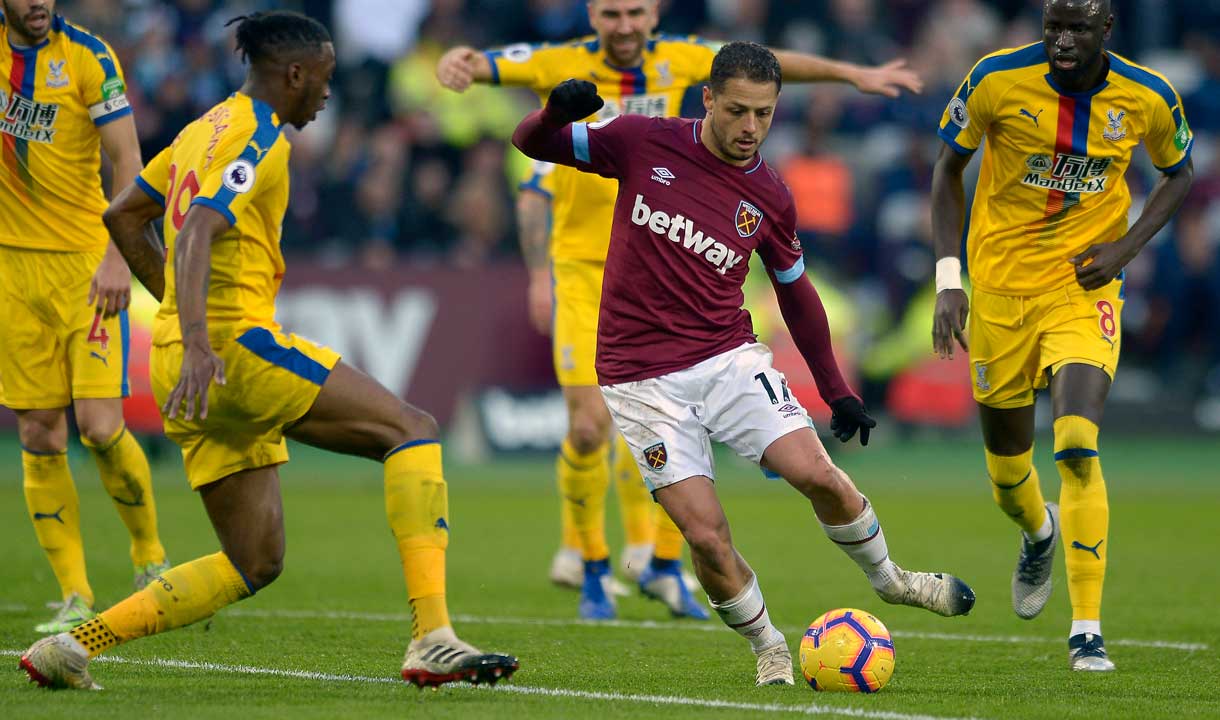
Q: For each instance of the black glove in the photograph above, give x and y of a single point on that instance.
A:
(848, 414)
(573, 100)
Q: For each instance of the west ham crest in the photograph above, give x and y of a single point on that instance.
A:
(655, 456)
(748, 219)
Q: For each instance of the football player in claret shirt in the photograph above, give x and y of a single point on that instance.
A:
(677, 360)
(64, 288)
(1047, 243)
(232, 384)
(637, 72)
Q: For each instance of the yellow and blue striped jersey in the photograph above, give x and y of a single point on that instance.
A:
(233, 160)
(1046, 192)
(53, 97)
(583, 203)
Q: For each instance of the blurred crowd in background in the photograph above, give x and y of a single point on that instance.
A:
(401, 170)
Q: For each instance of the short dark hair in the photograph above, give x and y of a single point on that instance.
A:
(747, 60)
(264, 35)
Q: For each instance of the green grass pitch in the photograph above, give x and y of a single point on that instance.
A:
(327, 639)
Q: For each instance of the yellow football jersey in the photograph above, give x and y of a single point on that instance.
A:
(53, 96)
(1046, 192)
(233, 160)
(583, 204)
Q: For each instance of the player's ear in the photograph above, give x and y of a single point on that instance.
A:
(707, 98)
(296, 75)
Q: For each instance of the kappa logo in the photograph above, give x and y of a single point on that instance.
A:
(55, 74)
(655, 456)
(681, 229)
(663, 175)
(749, 219)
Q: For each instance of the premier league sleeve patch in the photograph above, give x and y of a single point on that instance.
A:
(655, 456)
(239, 175)
(958, 114)
(748, 219)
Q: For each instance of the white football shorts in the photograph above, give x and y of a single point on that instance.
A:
(736, 398)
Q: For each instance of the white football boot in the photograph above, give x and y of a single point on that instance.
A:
(775, 665)
(440, 657)
(1087, 652)
(568, 570)
(1031, 581)
(940, 593)
(59, 662)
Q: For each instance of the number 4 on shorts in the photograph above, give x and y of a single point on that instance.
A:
(97, 333)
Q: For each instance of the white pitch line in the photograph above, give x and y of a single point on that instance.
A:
(810, 709)
(692, 626)
(659, 625)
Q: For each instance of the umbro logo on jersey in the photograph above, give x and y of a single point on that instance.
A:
(680, 229)
(663, 175)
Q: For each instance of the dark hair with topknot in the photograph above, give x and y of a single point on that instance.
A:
(263, 35)
(745, 60)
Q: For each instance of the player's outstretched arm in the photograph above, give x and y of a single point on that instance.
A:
(948, 215)
(461, 66)
(129, 220)
(541, 134)
(889, 79)
(192, 271)
(805, 316)
(1099, 264)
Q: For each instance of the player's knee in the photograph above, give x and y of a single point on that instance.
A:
(818, 478)
(42, 431)
(1075, 446)
(263, 569)
(99, 431)
(710, 543)
(408, 425)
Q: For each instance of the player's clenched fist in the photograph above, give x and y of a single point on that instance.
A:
(456, 68)
(573, 100)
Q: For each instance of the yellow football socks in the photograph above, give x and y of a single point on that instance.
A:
(128, 481)
(568, 535)
(583, 481)
(50, 496)
(1084, 513)
(669, 538)
(635, 502)
(1015, 487)
(182, 595)
(417, 507)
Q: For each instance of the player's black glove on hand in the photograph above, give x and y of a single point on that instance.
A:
(573, 100)
(848, 415)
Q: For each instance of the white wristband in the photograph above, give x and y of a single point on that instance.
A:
(948, 274)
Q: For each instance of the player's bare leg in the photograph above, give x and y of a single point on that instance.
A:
(849, 520)
(355, 415)
(1078, 393)
(725, 575)
(247, 515)
(54, 507)
(125, 474)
